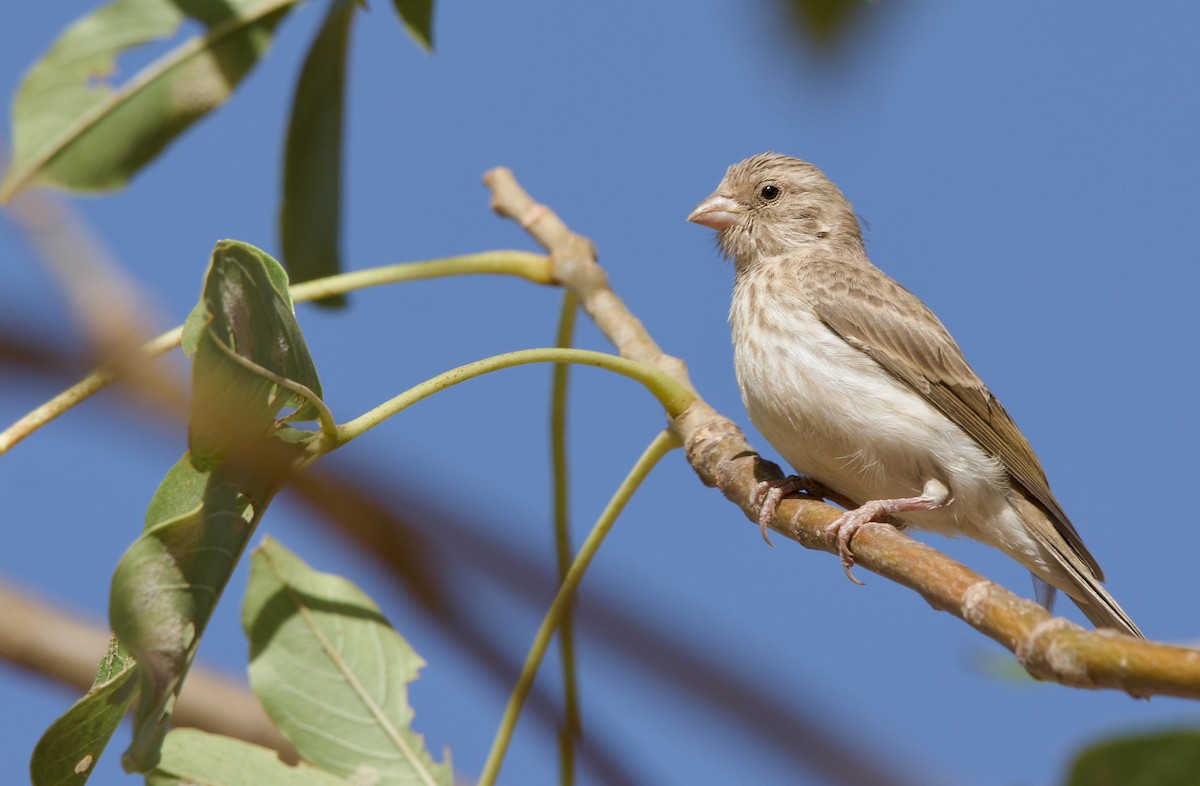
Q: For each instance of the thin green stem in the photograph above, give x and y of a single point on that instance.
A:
(674, 397)
(533, 267)
(522, 264)
(571, 729)
(662, 444)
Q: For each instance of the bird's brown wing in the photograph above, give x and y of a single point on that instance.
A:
(886, 321)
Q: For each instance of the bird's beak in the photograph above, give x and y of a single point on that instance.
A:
(716, 212)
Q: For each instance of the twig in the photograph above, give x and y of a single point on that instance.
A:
(1049, 648)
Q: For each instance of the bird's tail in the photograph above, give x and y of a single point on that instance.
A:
(1101, 609)
(1067, 570)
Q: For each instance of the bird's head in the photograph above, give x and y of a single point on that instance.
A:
(773, 204)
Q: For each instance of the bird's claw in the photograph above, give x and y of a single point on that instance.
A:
(767, 497)
(843, 529)
(770, 493)
(841, 532)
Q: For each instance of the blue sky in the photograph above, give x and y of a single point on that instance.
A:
(1030, 171)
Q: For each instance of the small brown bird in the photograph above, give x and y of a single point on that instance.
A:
(861, 389)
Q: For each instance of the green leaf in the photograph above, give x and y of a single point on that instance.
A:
(191, 757)
(1164, 759)
(168, 582)
(417, 16)
(332, 673)
(250, 357)
(310, 211)
(74, 129)
(68, 751)
(180, 493)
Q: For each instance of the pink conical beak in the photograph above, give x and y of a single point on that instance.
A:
(717, 213)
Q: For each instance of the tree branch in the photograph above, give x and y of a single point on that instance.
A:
(1048, 648)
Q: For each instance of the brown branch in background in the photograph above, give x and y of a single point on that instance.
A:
(1048, 648)
(45, 640)
(112, 316)
(26, 352)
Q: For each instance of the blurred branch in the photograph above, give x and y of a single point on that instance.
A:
(1049, 648)
(44, 640)
(112, 315)
(28, 353)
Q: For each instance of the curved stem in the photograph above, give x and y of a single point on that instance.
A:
(662, 444)
(674, 397)
(522, 264)
(532, 267)
(571, 729)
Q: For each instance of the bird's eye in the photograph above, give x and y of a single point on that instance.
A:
(769, 192)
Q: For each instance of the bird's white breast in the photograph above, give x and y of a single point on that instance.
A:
(837, 416)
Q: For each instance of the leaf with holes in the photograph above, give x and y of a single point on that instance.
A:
(250, 360)
(332, 673)
(73, 128)
(67, 753)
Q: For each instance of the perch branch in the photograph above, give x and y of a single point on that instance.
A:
(1048, 648)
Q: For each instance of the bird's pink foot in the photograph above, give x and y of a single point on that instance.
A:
(842, 530)
(770, 493)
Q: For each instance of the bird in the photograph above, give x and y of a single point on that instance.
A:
(863, 391)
